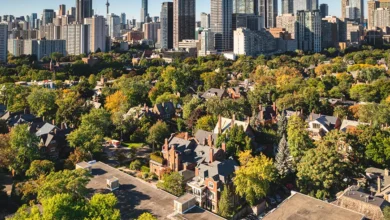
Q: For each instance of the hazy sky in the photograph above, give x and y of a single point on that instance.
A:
(130, 7)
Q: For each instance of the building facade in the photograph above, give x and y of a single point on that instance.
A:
(244, 6)
(44, 48)
(308, 31)
(166, 22)
(288, 22)
(305, 5)
(253, 43)
(324, 9)
(47, 16)
(287, 6)
(204, 20)
(150, 31)
(3, 42)
(83, 10)
(183, 21)
(114, 25)
(144, 11)
(268, 10)
(77, 38)
(98, 30)
(221, 24)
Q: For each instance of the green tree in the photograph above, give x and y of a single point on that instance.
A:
(102, 206)
(225, 204)
(236, 140)
(283, 159)
(147, 216)
(213, 79)
(25, 146)
(386, 212)
(172, 183)
(157, 133)
(282, 125)
(253, 179)
(40, 167)
(190, 106)
(205, 123)
(321, 171)
(70, 107)
(298, 138)
(87, 139)
(63, 206)
(42, 102)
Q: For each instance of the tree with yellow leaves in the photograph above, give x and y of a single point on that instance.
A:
(254, 177)
(115, 102)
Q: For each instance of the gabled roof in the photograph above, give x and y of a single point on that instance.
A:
(45, 129)
(226, 124)
(166, 108)
(218, 171)
(220, 93)
(202, 136)
(328, 122)
(346, 124)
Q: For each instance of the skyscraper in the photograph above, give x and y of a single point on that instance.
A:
(308, 33)
(166, 30)
(344, 4)
(205, 20)
(354, 10)
(114, 25)
(324, 9)
(244, 6)
(62, 10)
(123, 19)
(47, 16)
(183, 21)
(33, 19)
(83, 10)
(268, 10)
(287, 6)
(305, 5)
(144, 10)
(98, 33)
(3, 42)
(221, 24)
(77, 37)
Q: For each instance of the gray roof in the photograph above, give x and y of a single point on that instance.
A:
(328, 121)
(356, 193)
(217, 170)
(202, 136)
(220, 93)
(349, 123)
(45, 129)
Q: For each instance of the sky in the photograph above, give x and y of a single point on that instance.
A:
(130, 7)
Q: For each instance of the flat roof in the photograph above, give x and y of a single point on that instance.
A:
(185, 198)
(136, 197)
(302, 207)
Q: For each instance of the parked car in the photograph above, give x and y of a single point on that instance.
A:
(272, 200)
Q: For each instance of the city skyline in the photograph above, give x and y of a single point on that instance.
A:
(117, 6)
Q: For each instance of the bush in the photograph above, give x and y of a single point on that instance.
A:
(156, 156)
(135, 165)
(145, 169)
(145, 175)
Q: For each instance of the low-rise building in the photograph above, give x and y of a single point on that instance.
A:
(320, 125)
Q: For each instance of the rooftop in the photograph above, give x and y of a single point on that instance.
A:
(302, 207)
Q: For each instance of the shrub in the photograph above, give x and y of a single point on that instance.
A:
(135, 165)
(145, 169)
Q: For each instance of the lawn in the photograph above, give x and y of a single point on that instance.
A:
(133, 145)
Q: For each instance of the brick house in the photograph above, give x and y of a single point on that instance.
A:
(209, 181)
(52, 139)
(186, 153)
(267, 115)
(164, 111)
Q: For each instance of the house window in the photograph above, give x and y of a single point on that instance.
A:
(211, 185)
(53, 149)
(316, 126)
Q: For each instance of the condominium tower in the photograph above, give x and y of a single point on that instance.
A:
(183, 21)
(221, 24)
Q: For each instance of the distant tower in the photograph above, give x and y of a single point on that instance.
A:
(108, 7)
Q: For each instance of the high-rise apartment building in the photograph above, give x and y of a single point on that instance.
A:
(324, 10)
(72, 12)
(33, 19)
(308, 32)
(166, 22)
(62, 11)
(305, 5)
(83, 10)
(47, 16)
(144, 11)
(330, 32)
(268, 10)
(353, 10)
(114, 25)
(382, 17)
(221, 24)
(372, 6)
(44, 48)
(123, 19)
(183, 21)
(98, 34)
(207, 43)
(205, 20)
(150, 31)
(253, 43)
(287, 6)
(77, 37)
(244, 6)
(3, 42)
(288, 22)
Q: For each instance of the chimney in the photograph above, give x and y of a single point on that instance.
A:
(209, 141)
(166, 144)
(379, 186)
(186, 136)
(386, 172)
(233, 120)
(224, 147)
(62, 126)
(144, 106)
(53, 122)
(301, 111)
(211, 155)
(25, 110)
(196, 171)
(311, 116)
(219, 124)
(260, 108)
(248, 120)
